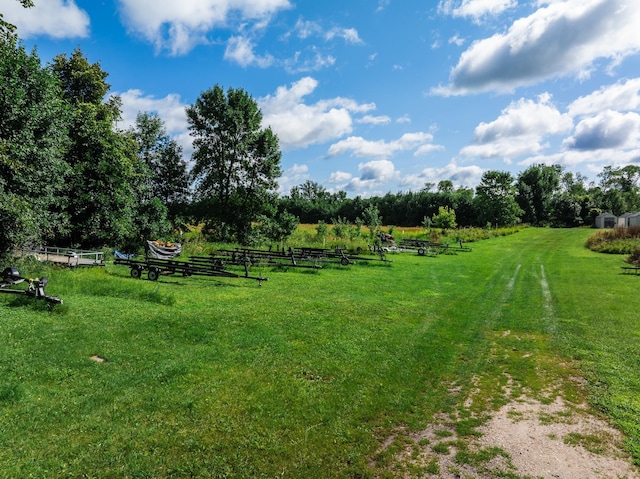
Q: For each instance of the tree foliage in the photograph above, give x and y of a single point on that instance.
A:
(495, 199)
(445, 219)
(33, 141)
(165, 174)
(536, 187)
(237, 162)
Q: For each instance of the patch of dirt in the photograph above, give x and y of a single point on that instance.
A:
(525, 438)
(556, 441)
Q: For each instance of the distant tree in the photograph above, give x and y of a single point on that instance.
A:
(445, 186)
(33, 140)
(371, 219)
(341, 227)
(237, 162)
(82, 82)
(536, 187)
(566, 211)
(165, 177)
(495, 199)
(445, 219)
(620, 189)
(311, 202)
(278, 227)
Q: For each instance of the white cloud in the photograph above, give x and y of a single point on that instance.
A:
(467, 176)
(349, 35)
(426, 149)
(456, 40)
(291, 177)
(477, 9)
(382, 4)
(299, 125)
(308, 63)
(591, 161)
(374, 120)
(169, 109)
(519, 130)
(358, 146)
(607, 130)
(179, 26)
(373, 174)
(240, 50)
(305, 29)
(623, 96)
(339, 177)
(53, 18)
(562, 38)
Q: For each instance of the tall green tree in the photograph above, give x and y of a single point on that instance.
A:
(33, 142)
(496, 199)
(237, 162)
(102, 194)
(620, 189)
(164, 169)
(536, 187)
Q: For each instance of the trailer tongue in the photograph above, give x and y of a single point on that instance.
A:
(11, 277)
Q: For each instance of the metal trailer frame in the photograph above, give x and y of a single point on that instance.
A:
(424, 246)
(156, 267)
(11, 277)
(344, 258)
(244, 256)
(71, 257)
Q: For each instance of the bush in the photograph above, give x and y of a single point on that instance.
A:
(615, 241)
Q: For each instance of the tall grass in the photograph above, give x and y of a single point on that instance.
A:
(615, 240)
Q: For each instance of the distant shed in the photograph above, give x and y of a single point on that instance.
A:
(606, 220)
(623, 220)
(634, 220)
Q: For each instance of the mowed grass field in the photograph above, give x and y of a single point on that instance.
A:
(308, 374)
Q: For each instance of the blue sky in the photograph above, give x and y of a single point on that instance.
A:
(376, 96)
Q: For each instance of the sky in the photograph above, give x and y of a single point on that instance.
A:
(376, 96)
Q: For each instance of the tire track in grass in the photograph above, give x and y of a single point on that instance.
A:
(507, 292)
(546, 294)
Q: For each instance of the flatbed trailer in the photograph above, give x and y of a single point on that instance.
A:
(156, 267)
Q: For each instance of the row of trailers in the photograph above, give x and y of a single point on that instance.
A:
(239, 262)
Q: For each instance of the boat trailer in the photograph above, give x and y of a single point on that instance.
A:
(11, 277)
(156, 267)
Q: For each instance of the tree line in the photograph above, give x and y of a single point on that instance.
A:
(541, 195)
(70, 177)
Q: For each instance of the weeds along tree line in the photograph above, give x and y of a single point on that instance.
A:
(69, 176)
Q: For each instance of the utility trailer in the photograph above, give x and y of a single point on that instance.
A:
(11, 277)
(156, 267)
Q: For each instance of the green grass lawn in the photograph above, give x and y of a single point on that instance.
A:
(306, 375)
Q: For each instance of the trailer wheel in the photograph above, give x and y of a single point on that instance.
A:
(421, 251)
(344, 261)
(153, 274)
(135, 273)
